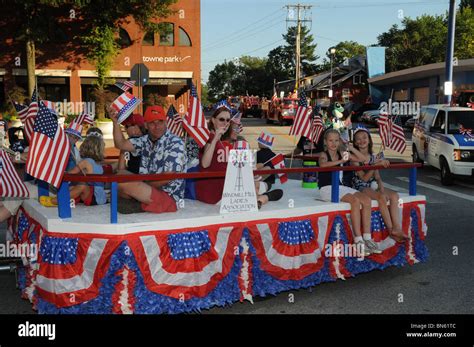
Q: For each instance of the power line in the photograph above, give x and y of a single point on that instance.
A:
(242, 38)
(378, 4)
(245, 53)
(244, 29)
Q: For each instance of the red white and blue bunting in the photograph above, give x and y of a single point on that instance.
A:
(194, 269)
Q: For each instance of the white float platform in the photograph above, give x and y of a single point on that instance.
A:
(96, 219)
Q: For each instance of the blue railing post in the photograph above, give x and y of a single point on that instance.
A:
(64, 201)
(335, 186)
(43, 188)
(412, 181)
(113, 202)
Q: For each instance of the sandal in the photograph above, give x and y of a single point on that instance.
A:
(47, 201)
(274, 195)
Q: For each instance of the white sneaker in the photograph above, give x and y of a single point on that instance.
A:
(360, 245)
(372, 246)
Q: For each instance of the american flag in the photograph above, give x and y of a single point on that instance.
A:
(317, 129)
(241, 144)
(194, 122)
(49, 150)
(302, 123)
(237, 121)
(391, 133)
(275, 95)
(278, 162)
(10, 183)
(125, 85)
(21, 110)
(174, 121)
(85, 118)
(29, 120)
(51, 105)
(467, 132)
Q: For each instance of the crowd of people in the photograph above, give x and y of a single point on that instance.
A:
(150, 148)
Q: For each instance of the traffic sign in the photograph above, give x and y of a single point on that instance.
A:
(140, 73)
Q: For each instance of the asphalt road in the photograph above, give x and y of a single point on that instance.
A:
(442, 285)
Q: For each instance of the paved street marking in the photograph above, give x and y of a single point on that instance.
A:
(457, 183)
(395, 188)
(439, 189)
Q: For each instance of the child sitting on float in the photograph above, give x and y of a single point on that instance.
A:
(370, 183)
(92, 152)
(361, 206)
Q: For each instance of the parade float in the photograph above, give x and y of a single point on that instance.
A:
(94, 260)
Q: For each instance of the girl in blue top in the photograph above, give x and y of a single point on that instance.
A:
(370, 183)
(92, 152)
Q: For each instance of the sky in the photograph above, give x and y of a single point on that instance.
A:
(232, 28)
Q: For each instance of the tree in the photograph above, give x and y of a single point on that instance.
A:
(102, 21)
(220, 81)
(466, 3)
(282, 59)
(423, 40)
(99, 23)
(344, 50)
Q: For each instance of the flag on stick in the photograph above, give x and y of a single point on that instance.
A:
(49, 149)
(174, 121)
(10, 183)
(278, 162)
(391, 133)
(194, 123)
(302, 122)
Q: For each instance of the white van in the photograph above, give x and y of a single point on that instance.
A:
(443, 137)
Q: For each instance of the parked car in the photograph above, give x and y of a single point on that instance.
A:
(358, 110)
(410, 123)
(367, 116)
(442, 136)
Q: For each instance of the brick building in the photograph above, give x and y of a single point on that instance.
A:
(63, 73)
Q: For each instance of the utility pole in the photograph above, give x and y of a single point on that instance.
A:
(297, 11)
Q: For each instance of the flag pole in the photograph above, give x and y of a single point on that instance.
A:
(293, 151)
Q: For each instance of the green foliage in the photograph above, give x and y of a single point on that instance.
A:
(204, 94)
(15, 94)
(344, 49)
(156, 99)
(254, 76)
(423, 40)
(102, 51)
(282, 59)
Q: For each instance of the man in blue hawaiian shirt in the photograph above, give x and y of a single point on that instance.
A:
(160, 152)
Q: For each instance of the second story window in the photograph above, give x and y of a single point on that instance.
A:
(184, 39)
(149, 39)
(124, 38)
(167, 35)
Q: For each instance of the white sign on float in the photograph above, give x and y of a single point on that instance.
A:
(239, 188)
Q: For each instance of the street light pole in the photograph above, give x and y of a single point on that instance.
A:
(448, 84)
(332, 51)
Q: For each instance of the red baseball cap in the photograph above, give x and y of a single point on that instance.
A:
(153, 113)
(134, 119)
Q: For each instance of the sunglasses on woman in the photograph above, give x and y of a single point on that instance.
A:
(227, 120)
